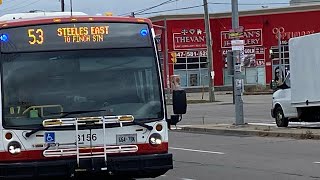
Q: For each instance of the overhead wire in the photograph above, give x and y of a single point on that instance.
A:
(221, 3)
(149, 8)
(161, 4)
(168, 10)
(12, 5)
(6, 10)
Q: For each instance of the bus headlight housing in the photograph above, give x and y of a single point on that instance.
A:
(14, 147)
(155, 139)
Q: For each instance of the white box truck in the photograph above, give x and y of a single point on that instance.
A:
(298, 97)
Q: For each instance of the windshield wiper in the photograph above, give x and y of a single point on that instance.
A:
(41, 127)
(142, 125)
(28, 134)
(101, 110)
(65, 114)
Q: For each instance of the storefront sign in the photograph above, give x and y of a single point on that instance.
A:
(189, 39)
(251, 37)
(252, 57)
(286, 35)
(238, 45)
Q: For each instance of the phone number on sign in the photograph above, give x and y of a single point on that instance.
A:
(192, 54)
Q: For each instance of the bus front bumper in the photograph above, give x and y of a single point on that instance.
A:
(138, 166)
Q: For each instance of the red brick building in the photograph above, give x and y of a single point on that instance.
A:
(186, 37)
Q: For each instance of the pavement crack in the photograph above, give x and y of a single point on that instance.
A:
(315, 177)
(276, 172)
(188, 162)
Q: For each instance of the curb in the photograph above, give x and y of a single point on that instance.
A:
(257, 93)
(259, 133)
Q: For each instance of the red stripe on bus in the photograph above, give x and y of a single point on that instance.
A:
(35, 155)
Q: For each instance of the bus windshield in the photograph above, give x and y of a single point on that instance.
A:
(42, 85)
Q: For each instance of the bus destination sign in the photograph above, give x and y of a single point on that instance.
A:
(75, 36)
(83, 34)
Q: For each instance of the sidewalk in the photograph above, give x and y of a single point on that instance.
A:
(204, 97)
(217, 117)
(296, 132)
(220, 96)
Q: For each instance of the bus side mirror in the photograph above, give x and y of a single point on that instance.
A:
(179, 101)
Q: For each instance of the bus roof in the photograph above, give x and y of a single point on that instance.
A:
(68, 19)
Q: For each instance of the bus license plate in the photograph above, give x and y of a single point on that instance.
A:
(126, 139)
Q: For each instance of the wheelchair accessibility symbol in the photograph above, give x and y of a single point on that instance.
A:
(49, 137)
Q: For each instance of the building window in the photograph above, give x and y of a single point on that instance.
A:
(253, 66)
(279, 72)
(192, 67)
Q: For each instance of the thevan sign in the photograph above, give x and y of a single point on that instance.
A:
(184, 39)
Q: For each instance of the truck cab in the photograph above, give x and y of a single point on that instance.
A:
(297, 97)
(281, 109)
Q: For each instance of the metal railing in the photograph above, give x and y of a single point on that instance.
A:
(79, 149)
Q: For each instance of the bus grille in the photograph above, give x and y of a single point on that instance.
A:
(90, 152)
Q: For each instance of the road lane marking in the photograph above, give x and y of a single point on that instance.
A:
(316, 162)
(196, 150)
(186, 179)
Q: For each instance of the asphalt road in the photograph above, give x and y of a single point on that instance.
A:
(256, 109)
(207, 157)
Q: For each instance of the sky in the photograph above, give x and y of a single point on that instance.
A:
(124, 7)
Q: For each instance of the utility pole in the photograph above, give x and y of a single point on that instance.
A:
(209, 52)
(132, 14)
(238, 81)
(62, 5)
(71, 7)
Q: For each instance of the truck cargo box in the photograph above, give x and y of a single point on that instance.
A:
(304, 59)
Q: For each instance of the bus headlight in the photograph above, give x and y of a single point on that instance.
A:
(14, 147)
(155, 139)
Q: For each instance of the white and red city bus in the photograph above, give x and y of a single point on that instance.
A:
(82, 94)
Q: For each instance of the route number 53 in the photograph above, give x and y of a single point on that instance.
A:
(36, 36)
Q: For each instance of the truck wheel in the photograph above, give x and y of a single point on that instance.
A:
(280, 119)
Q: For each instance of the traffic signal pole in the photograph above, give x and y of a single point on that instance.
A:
(62, 5)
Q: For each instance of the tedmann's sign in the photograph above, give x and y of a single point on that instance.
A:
(251, 37)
